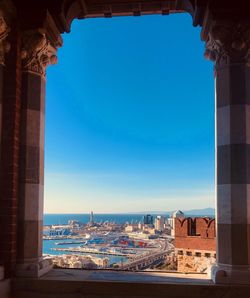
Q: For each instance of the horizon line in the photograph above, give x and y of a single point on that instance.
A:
(127, 212)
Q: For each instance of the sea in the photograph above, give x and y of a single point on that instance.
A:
(61, 219)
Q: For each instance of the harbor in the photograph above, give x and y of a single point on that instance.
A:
(108, 244)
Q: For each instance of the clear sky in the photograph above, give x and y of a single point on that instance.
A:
(130, 118)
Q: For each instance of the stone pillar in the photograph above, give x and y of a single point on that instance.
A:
(37, 53)
(4, 47)
(228, 44)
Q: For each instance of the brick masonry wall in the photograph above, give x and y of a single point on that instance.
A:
(202, 236)
(9, 171)
(195, 244)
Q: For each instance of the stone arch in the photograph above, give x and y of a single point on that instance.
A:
(29, 36)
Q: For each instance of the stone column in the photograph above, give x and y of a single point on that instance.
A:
(37, 53)
(4, 47)
(228, 44)
(9, 159)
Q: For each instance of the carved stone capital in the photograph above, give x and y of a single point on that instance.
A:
(37, 52)
(4, 45)
(228, 42)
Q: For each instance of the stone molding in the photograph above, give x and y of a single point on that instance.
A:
(226, 274)
(228, 42)
(4, 45)
(37, 52)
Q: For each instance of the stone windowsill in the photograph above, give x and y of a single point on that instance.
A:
(125, 276)
(69, 283)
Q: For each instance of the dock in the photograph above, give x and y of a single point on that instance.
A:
(79, 250)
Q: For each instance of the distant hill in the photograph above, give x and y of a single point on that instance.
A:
(192, 212)
(200, 212)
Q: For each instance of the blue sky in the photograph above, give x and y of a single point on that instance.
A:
(130, 118)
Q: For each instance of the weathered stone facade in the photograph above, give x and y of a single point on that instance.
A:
(195, 261)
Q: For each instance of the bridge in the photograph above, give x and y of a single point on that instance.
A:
(146, 261)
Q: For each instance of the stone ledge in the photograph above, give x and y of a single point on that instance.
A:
(78, 284)
(126, 276)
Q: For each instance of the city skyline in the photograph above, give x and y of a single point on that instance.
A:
(131, 128)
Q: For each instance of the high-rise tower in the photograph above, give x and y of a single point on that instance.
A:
(91, 218)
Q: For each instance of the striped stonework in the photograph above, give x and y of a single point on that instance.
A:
(233, 164)
(31, 168)
(31, 179)
(233, 149)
